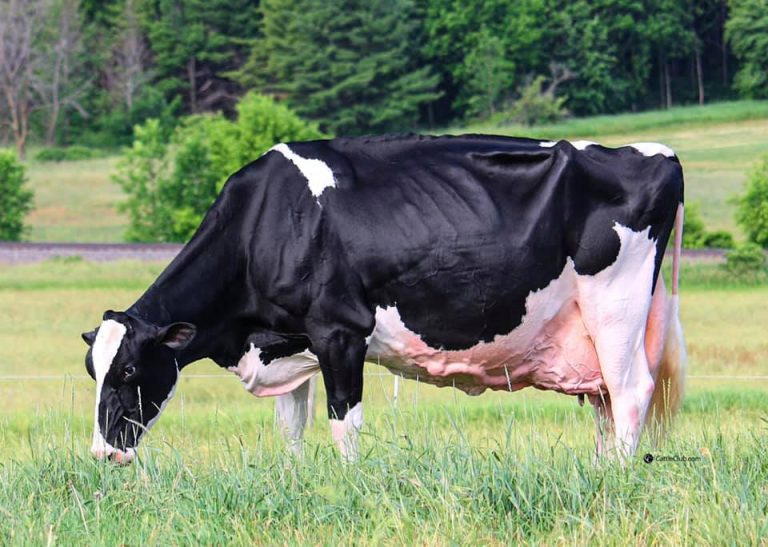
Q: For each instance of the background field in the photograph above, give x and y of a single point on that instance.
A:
(717, 144)
(439, 467)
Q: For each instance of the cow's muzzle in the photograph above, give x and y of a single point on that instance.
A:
(122, 457)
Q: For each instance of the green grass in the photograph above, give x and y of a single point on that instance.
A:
(75, 201)
(439, 468)
(717, 144)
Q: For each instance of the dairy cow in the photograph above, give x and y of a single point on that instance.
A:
(478, 262)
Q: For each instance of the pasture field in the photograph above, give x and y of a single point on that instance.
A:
(717, 144)
(438, 467)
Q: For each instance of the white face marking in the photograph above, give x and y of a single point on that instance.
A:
(346, 432)
(103, 352)
(279, 377)
(547, 144)
(653, 148)
(319, 176)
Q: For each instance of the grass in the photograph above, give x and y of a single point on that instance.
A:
(717, 144)
(439, 467)
(75, 201)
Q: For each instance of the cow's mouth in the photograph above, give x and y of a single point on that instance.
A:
(122, 457)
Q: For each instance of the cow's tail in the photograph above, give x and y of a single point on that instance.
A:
(670, 382)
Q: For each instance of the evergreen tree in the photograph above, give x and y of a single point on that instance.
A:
(747, 32)
(351, 65)
(195, 44)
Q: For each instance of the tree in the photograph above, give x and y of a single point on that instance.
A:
(127, 71)
(195, 44)
(15, 199)
(496, 41)
(752, 207)
(350, 65)
(20, 26)
(59, 76)
(747, 32)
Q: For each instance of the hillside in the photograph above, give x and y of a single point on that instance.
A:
(717, 144)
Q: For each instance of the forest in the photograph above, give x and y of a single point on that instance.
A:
(86, 72)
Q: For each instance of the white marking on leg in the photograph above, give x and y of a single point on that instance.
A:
(346, 432)
(614, 305)
(319, 176)
(292, 411)
(279, 377)
(653, 148)
(103, 352)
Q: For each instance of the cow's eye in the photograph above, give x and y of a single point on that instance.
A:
(128, 372)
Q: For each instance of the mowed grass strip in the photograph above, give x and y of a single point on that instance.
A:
(438, 467)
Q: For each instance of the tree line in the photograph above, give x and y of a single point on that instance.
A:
(88, 71)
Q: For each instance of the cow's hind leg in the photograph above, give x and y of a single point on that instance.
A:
(614, 305)
(293, 411)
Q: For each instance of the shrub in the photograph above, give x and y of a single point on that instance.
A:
(752, 207)
(746, 259)
(15, 199)
(694, 232)
(536, 107)
(719, 239)
(696, 236)
(71, 153)
(170, 185)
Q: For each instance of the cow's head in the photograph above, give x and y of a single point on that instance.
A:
(135, 368)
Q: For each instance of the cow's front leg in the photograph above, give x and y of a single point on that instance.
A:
(292, 412)
(341, 363)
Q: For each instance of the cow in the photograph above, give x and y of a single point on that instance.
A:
(478, 262)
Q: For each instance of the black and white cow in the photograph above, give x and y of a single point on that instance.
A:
(474, 261)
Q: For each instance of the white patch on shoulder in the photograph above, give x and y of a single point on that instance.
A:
(581, 145)
(653, 148)
(319, 176)
(279, 377)
(346, 432)
(578, 145)
(103, 352)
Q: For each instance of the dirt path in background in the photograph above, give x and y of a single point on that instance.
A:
(26, 253)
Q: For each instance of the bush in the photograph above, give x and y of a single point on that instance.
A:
(15, 199)
(170, 185)
(71, 153)
(746, 259)
(719, 239)
(696, 236)
(535, 107)
(752, 207)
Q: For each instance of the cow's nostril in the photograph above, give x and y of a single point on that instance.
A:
(122, 458)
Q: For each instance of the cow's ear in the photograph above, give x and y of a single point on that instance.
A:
(89, 337)
(177, 335)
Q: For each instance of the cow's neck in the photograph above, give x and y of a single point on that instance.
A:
(197, 287)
